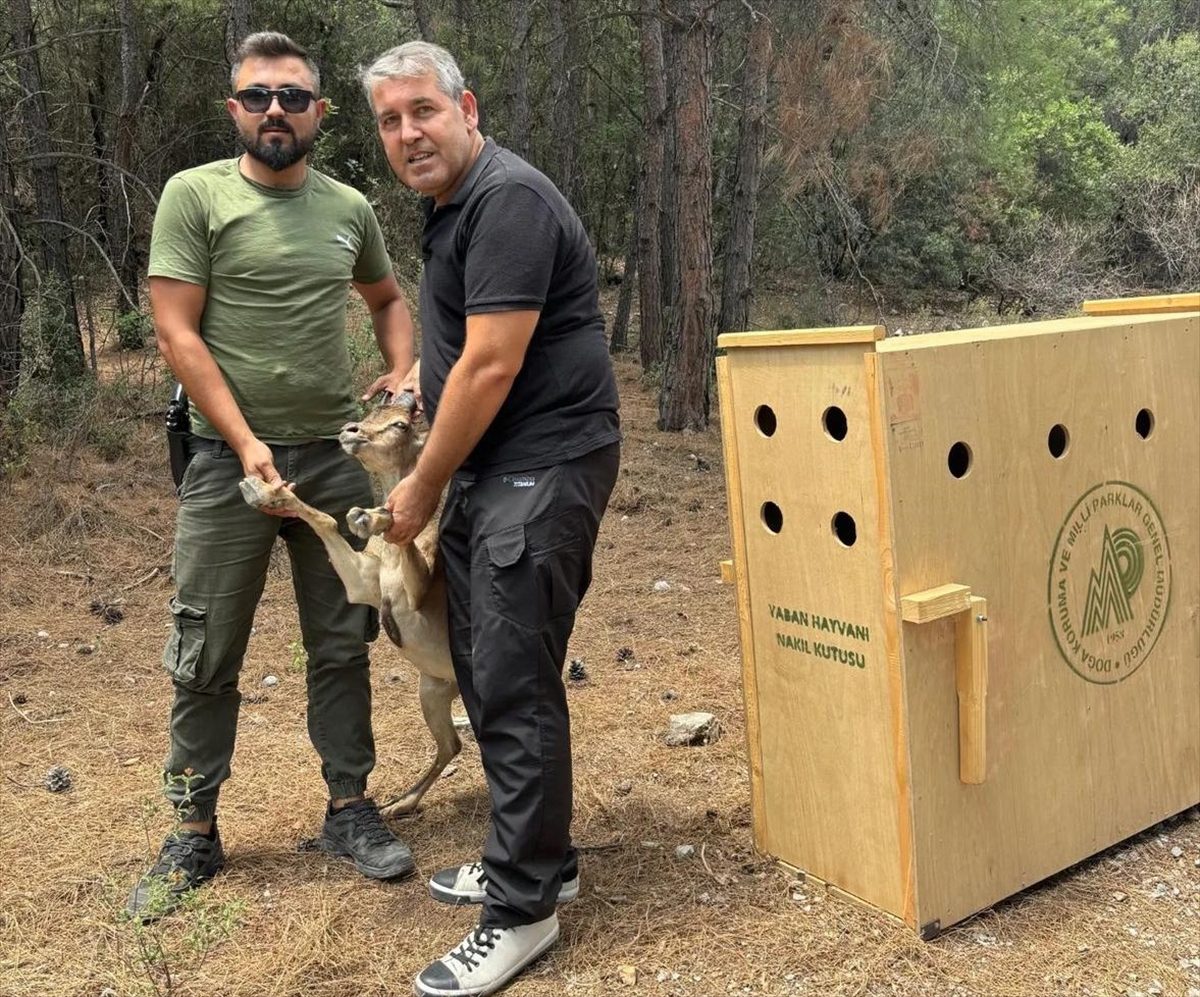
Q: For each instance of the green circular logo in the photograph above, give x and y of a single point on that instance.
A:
(1110, 582)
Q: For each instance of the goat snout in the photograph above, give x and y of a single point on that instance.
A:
(351, 437)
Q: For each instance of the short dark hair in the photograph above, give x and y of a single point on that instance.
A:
(271, 45)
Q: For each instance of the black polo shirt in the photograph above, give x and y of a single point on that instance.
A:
(509, 241)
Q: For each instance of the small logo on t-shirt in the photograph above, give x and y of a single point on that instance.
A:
(519, 480)
(344, 240)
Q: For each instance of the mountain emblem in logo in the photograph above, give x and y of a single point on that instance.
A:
(1110, 589)
(1110, 582)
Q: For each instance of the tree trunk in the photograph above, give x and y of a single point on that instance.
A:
(519, 81)
(120, 210)
(239, 14)
(650, 189)
(739, 250)
(620, 332)
(564, 70)
(12, 301)
(684, 398)
(668, 232)
(424, 22)
(52, 235)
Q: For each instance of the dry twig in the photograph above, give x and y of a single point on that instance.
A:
(28, 719)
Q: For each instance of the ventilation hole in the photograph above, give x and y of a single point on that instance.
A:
(1058, 441)
(1144, 423)
(960, 459)
(845, 529)
(834, 421)
(764, 419)
(772, 517)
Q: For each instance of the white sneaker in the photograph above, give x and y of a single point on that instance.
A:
(467, 884)
(486, 960)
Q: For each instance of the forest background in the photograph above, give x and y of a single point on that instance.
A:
(927, 164)
(738, 163)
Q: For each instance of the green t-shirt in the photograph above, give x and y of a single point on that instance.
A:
(277, 265)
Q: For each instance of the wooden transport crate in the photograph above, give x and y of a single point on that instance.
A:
(969, 596)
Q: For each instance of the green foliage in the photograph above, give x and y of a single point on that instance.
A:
(935, 135)
(50, 354)
(1077, 117)
(133, 330)
(299, 660)
(1066, 155)
(47, 418)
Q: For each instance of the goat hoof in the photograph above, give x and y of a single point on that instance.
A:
(256, 492)
(402, 807)
(359, 521)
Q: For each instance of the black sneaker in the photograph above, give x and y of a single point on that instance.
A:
(467, 884)
(486, 960)
(357, 832)
(188, 859)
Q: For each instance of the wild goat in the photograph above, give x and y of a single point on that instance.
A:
(405, 583)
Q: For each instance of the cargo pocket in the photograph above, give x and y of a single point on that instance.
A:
(185, 647)
(510, 576)
(539, 570)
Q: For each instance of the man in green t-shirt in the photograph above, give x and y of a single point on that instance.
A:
(250, 263)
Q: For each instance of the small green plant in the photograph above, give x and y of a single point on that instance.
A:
(133, 329)
(299, 662)
(156, 954)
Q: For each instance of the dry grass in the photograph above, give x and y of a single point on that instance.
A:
(723, 922)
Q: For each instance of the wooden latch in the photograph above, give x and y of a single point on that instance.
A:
(970, 666)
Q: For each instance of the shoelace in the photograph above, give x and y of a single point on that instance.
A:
(175, 851)
(368, 823)
(474, 948)
(475, 871)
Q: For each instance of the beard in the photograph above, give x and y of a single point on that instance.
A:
(272, 148)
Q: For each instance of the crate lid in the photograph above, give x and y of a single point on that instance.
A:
(1187, 302)
(802, 337)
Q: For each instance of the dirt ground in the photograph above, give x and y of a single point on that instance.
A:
(86, 548)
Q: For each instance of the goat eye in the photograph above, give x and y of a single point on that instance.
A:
(399, 426)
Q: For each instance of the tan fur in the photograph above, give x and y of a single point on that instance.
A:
(405, 583)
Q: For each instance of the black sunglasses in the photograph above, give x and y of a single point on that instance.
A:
(256, 100)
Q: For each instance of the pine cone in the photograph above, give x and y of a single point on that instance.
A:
(58, 779)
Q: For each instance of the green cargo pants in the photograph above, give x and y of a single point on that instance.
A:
(222, 550)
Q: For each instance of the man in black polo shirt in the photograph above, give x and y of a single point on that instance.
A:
(517, 383)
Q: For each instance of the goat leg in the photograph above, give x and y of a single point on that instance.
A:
(436, 697)
(359, 572)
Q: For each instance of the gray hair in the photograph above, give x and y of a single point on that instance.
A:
(271, 45)
(415, 59)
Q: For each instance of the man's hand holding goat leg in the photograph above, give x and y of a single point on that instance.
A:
(412, 504)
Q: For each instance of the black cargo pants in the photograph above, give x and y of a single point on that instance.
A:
(518, 558)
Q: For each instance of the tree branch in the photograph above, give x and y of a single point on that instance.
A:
(99, 249)
(14, 53)
(37, 274)
(92, 159)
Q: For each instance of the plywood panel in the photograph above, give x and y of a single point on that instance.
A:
(891, 599)
(1019, 330)
(1080, 753)
(737, 529)
(801, 337)
(816, 606)
(1144, 305)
